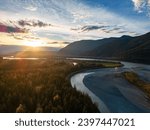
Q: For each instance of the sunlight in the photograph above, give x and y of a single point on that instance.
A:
(36, 43)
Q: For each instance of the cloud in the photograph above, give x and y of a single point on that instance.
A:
(31, 37)
(88, 28)
(22, 26)
(141, 5)
(18, 38)
(101, 28)
(71, 20)
(92, 27)
(33, 23)
(10, 29)
(30, 8)
(24, 37)
(55, 42)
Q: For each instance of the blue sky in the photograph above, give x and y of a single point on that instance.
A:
(72, 20)
(120, 7)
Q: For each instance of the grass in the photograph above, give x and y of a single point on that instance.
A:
(97, 64)
(134, 79)
(111, 64)
(42, 86)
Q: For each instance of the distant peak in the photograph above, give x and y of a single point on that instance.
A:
(124, 36)
(148, 33)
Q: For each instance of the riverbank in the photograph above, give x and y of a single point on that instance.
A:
(88, 67)
(135, 79)
(114, 92)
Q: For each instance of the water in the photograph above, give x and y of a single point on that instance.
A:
(18, 58)
(112, 93)
(79, 85)
(89, 59)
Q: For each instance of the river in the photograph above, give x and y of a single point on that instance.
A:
(19, 58)
(112, 93)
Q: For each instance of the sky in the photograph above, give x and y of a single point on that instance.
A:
(56, 23)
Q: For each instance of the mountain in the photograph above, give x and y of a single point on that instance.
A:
(81, 48)
(113, 48)
(141, 51)
(135, 49)
(95, 47)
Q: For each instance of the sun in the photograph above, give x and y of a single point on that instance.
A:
(36, 43)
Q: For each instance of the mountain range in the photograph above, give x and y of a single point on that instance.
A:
(134, 49)
(127, 48)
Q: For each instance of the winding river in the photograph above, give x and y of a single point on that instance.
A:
(112, 93)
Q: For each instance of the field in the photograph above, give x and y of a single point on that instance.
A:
(43, 86)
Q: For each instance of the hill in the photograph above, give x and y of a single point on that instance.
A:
(134, 49)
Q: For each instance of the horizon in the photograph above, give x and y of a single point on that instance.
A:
(75, 56)
(22, 23)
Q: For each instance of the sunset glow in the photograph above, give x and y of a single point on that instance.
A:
(22, 22)
(34, 43)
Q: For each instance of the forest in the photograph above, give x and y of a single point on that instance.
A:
(30, 86)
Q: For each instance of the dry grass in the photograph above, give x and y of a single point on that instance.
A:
(135, 80)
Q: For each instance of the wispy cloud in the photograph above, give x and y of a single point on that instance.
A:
(10, 29)
(92, 27)
(70, 20)
(32, 23)
(31, 8)
(142, 5)
(103, 28)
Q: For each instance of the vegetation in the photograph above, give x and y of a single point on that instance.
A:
(42, 86)
(96, 64)
(111, 64)
(135, 79)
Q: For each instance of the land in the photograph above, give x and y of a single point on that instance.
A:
(125, 48)
(114, 91)
(135, 79)
(43, 86)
